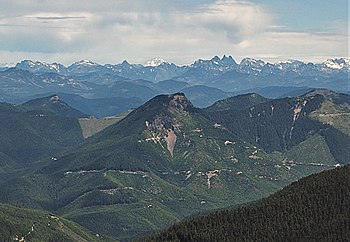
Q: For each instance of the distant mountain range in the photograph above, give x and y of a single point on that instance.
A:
(167, 159)
(204, 81)
(152, 70)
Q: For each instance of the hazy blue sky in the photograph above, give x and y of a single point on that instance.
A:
(180, 31)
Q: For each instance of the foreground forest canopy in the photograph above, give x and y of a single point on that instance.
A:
(315, 208)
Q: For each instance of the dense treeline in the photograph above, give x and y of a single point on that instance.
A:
(239, 102)
(316, 208)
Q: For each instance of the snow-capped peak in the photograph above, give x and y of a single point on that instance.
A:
(28, 63)
(337, 64)
(155, 62)
(289, 64)
(252, 62)
(86, 63)
(37, 66)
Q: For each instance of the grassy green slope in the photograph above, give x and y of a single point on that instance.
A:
(92, 125)
(334, 115)
(313, 151)
(35, 225)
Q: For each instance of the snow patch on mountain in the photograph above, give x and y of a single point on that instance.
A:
(155, 62)
(337, 64)
(293, 65)
(86, 63)
(38, 66)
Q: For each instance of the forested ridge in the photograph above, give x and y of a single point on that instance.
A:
(276, 125)
(30, 135)
(315, 208)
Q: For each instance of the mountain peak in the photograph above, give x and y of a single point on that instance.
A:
(215, 62)
(224, 61)
(86, 62)
(179, 102)
(176, 102)
(215, 58)
(337, 63)
(252, 62)
(125, 63)
(155, 62)
(228, 60)
(54, 98)
(55, 105)
(39, 67)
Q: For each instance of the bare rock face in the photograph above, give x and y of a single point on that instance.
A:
(179, 103)
(164, 128)
(170, 141)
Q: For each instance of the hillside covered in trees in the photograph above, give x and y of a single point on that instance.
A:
(315, 208)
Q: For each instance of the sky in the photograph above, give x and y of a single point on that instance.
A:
(179, 31)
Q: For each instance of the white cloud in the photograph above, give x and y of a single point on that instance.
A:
(275, 46)
(179, 31)
(238, 18)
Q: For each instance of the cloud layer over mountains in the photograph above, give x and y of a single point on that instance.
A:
(109, 31)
